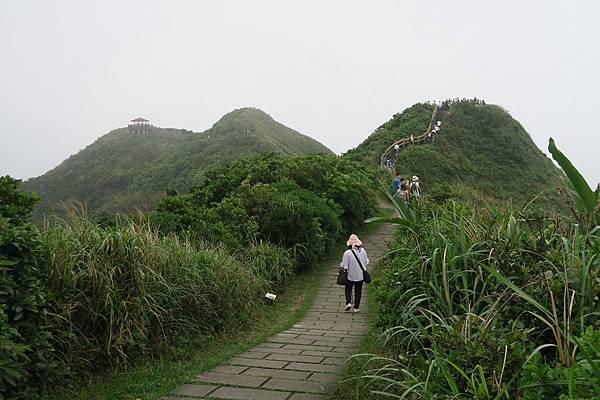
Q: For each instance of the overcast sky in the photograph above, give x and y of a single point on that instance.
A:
(70, 71)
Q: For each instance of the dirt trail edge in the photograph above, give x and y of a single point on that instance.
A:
(300, 363)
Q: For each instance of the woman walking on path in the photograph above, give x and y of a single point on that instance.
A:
(351, 262)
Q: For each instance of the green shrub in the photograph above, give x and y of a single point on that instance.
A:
(26, 356)
(293, 217)
(302, 203)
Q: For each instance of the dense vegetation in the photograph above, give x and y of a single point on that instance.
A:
(25, 349)
(259, 198)
(481, 147)
(476, 299)
(488, 303)
(125, 172)
(83, 297)
(413, 120)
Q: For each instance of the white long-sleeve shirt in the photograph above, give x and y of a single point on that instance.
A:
(349, 263)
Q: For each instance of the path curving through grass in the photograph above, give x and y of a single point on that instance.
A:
(302, 362)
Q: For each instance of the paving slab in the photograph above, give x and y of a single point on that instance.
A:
(293, 357)
(297, 386)
(333, 360)
(322, 353)
(249, 362)
(288, 340)
(306, 396)
(248, 394)
(229, 369)
(194, 390)
(305, 347)
(281, 351)
(257, 355)
(277, 373)
(319, 377)
(231, 379)
(273, 345)
(298, 366)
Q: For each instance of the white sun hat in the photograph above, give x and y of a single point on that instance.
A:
(353, 240)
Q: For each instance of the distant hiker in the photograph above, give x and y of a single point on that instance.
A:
(429, 136)
(355, 262)
(437, 129)
(403, 190)
(396, 183)
(439, 123)
(415, 187)
(403, 184)
(396, 149)
(412, 139)
(403, 194)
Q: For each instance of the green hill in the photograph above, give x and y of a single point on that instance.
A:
(480, 146)
(122, 171)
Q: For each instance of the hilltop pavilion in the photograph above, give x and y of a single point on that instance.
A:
(140, 126)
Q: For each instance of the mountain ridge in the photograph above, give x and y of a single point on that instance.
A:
(121, 171)
(480, 146)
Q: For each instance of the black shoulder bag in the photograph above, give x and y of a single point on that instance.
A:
(366, 275)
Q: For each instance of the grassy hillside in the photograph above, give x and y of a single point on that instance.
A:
(125, 172)
(480, 146)
(413, 120)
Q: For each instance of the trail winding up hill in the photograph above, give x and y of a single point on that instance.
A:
(480, 147)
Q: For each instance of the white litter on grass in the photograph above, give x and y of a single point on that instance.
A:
(270, 296)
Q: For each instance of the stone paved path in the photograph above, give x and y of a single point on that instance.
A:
(300, 363)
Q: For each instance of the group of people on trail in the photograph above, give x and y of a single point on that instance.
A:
(445, 105)
(436, 129)
(405, 189)
(391, 159)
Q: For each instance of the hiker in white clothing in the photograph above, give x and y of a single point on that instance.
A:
(351, 262)
(415, 187)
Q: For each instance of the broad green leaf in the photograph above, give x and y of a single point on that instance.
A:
(402, 208)
(581, 187)
(520, 292)
(390, 220)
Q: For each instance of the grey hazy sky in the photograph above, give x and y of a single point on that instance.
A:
(70, 71)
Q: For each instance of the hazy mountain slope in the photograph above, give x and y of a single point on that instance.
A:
(481, 146)
(125, 172)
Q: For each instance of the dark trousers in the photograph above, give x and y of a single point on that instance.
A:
(357, 292)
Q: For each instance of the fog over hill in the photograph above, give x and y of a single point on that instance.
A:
(333, 69)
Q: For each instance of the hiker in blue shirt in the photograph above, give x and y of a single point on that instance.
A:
(395, 183)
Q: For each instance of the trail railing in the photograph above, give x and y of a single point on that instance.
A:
(406, 141)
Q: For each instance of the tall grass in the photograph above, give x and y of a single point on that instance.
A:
(486, 304)
(126, 291)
